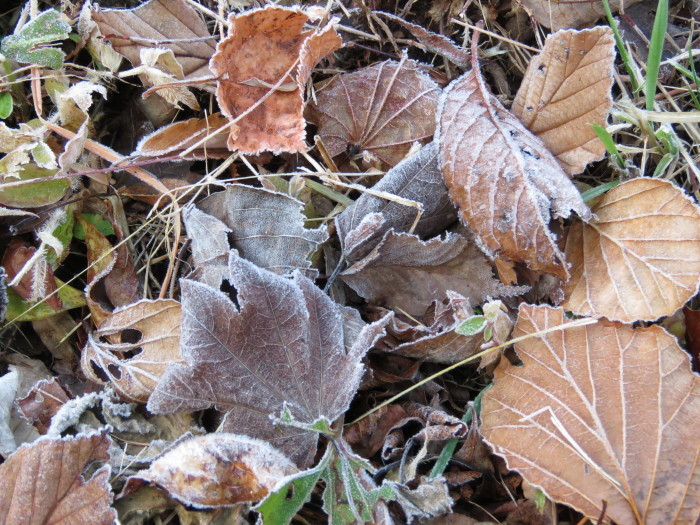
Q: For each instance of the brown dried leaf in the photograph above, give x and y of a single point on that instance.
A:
(381, 109)
(640, 258)
(133, 346)
(178, 137)
(216, 470)
(503, 179)
(264, 227)
(416, 178)
(611, 414)
(42, 402)
(159, 20)
(36, 284)
(264, 47)
(286, 343)
(566, 88)
(43, 484)
(561, 14)
(367, 435)
(431, 267)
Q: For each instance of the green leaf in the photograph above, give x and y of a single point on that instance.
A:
(103, 225)
(656, 48)
(19, 310)
(64, 233)
(472, 325)
(29, 44)
(36, 194)
(6, 105)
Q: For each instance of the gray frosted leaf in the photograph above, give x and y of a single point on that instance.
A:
(416, 178)
(265, 227)
(285, 343)
(406, 273)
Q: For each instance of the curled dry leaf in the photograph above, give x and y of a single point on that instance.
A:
(38, 283)
(285, 344)
(159, 20)
(216, 470)
(263, 226)
(41, 403)
(417, 179)
(565, 90)
(560, 14)
(431, 267)
(503, 179)
(610, 415)
(133, 347)
(42, 483)
(639, 259)
(180, 136)
(381, 109)
(264, 47)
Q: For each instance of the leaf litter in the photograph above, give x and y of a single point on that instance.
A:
(334, 320)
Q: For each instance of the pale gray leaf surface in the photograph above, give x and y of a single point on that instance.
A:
(416, 178)
(406, 273)
(210, 246)
(266, 228)
(504, 181)
(284, 344)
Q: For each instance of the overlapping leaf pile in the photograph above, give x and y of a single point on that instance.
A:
(281, 328)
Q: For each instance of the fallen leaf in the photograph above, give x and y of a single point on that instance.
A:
(417, 179)
(284, 344)
(42, 483)
(42, 402)
(610, 416)
(133, 347)
(502, 178)
(32, 194)
(179, 136)
(565, 90)
(559, 14)
(263, 48)
(367, 435)
(30, 44)
(263, 226)
(216, 470)
(639, 259)
(38, 283)
(431, 267)
(381, 109)
(159, 20)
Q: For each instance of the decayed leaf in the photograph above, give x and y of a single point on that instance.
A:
(286, 343)
(265, 227)
(566, 88)
(38, 282)
(557, 14)
(408, 274)
(640, 258)
(381, 109)
(216, 470)
(611, 414)
(159, 20)
(133, 347)
(179, 136)
(502, 177)
(43, 484)
(264, 47)
(416, 178)
(41, 403)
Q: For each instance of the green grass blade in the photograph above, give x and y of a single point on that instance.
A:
(624, 55)
(609, 144)
(656, 47)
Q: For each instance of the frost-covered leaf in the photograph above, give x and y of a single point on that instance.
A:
(263, 226)
(603, 416)
(639, 259)
(133, 347)
(264, 47)
(565, 90)
(408, 274)
(561, 14)
(42, 402)
(159, 20)
(382, 110)
(32, 194)
(284, 343)
(29, 45)
(179, 136)
(43, 484)
(505, 182)
(416, 178)
(216, 470)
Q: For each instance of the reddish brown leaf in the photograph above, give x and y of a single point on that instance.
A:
(565, 90)
(42, 484)
(603, 412)
(561, 14)
(367, 435)
(381, 109)
(264, 47)
(216, 470)
(36, 284)
(285, 343)
(42, 402)
(178, 137)
(504, 181)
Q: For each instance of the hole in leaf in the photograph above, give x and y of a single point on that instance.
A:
(99, 372)
(290, 493)
(129, 335)
(114, 370)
